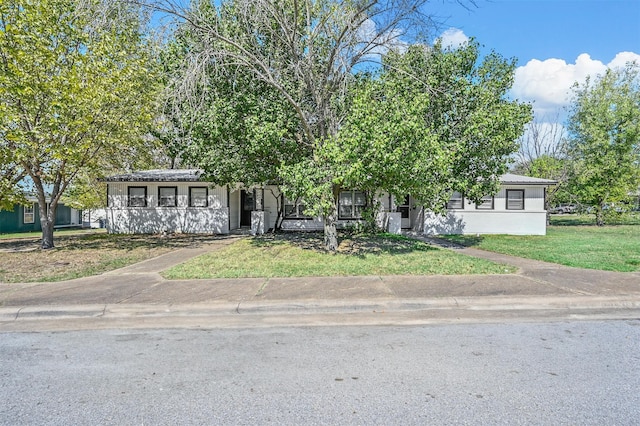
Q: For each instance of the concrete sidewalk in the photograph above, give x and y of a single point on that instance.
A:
(139, 291)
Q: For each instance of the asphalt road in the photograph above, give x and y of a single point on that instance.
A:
(585, 373)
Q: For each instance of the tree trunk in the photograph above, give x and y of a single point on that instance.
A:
(47, 220)
(330, 232)
(600, 216)
(330, 219)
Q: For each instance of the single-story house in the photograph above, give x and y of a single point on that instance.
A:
(26, 218)
(156, 201)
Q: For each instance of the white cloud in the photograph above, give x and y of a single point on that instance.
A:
(623, 58)
(548, 83)
(453, 37)
(379, 43)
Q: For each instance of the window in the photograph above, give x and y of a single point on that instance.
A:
(167, 196)
(515, 199)
(137, 196)
(294, 210)
(456, 201)
(351, 204)
(29, 215)
(486, 203)
(198, 196)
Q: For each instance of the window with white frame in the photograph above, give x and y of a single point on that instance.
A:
(137, 196)
(456, 201)
(351, 204)
(29, 214)
(294, 209)
(198, 196)
(515, 199)
(486, 203)
(167, 196)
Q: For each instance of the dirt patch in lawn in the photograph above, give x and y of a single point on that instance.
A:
(22, 260)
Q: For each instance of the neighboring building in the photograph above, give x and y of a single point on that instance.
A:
(94, 218)
(157, 201)
(26, 218)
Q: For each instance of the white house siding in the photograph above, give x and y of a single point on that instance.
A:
(153, 219)
(234, 209)
(470, 220)
(270, 206)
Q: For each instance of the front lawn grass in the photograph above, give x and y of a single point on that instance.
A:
(608, 248)
(301, 254)
(81, 255)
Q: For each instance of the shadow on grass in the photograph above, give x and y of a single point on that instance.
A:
(357, 245)
(611, 219)
(464, 240)
(125, 242)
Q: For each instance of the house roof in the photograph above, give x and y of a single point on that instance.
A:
(164, 175)
(510, 178)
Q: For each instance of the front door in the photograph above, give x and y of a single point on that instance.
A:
(246, 207)
(405, 210)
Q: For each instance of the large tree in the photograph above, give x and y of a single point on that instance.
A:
(77, 82)
(430, 122)
(604, 144)
(542, 153)
(308, 59)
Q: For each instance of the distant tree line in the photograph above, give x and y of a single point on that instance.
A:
(595, 158)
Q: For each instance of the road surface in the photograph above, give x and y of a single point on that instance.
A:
(585, 373)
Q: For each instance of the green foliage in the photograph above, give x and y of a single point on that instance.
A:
(554, 168)
(77, 81)
(278, 94)
(11, 174)
(604, 126)
(431, 122)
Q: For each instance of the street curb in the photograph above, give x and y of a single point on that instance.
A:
(306, 307)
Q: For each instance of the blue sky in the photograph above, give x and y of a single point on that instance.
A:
(556, 42)
(542, 29)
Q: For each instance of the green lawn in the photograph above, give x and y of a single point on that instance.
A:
(609, 248)
(300, 254)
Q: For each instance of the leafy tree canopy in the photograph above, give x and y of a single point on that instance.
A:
(281, 91)
(604, 145)
(77, 83)
(430, 122)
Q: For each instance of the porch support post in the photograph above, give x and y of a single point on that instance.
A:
(257, 222)
(394, 223)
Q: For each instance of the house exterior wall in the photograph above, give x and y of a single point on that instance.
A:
(156, 219)
(223, 212)
(13, 221)
(270, 205)
(532, 220)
